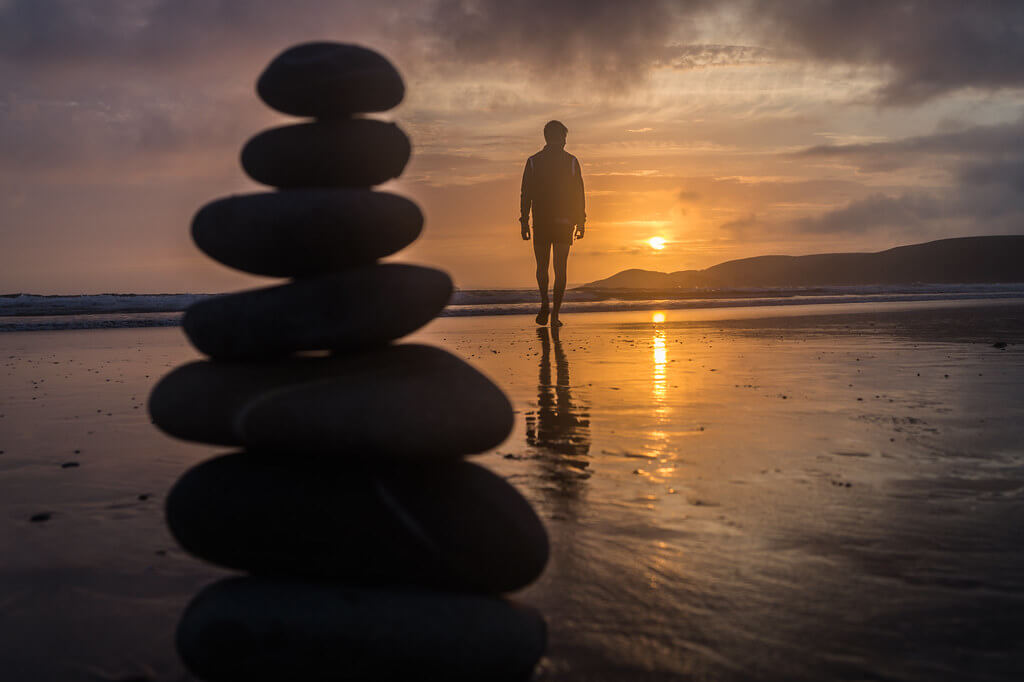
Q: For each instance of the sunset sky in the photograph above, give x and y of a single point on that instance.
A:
(728, 129)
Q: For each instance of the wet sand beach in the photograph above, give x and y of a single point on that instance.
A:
(819, 492)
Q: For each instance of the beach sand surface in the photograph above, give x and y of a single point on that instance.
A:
(819, 492)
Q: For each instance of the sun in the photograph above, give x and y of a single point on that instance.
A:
(656, 243)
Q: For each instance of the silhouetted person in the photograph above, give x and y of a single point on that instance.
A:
(553, 189)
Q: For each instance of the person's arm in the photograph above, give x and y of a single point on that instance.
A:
(526, 200)
(581, 201)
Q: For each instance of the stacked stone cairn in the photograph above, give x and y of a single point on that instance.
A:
(372, 549)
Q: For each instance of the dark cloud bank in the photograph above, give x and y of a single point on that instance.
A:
(926, 47)
(929, 47)
(985, 167)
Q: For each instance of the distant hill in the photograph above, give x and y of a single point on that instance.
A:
(964, 260)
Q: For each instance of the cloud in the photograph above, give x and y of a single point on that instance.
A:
(609, 41)
(741, 226)
(146, 33)
(984, 166)
(921, 49)
(930, 47)
(686, 57)
(926, 47)
(980, 142)
(905, 212)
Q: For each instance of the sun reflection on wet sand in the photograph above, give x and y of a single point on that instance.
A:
(660, 359)
(762, 496)
(658, 448)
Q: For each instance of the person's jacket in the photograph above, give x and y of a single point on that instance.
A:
(552, 188)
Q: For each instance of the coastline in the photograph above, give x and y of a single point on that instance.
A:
(87, 312)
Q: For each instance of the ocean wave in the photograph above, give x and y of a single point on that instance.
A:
(17, 305)
(92, 304)
(26, 312)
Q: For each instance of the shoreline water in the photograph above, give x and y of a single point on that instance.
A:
(45, 313)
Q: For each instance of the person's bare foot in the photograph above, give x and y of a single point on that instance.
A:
(542, 316)
(555, 322)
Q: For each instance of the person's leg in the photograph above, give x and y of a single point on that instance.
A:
(561, 261)
(542, 252)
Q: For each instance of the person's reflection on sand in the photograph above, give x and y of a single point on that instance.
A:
(558, 430)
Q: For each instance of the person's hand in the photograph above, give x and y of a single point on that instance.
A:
(579, 231)
(525, 231)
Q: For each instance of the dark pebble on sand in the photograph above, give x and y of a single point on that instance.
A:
(42, 516)
(143, 497)
(999, 344)
(69, 465)
(261, 628)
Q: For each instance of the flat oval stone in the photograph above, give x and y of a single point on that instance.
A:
(268, 630)
(356, 152)
(200, 401)
(451, 525)
(404, 403)
(414, 403)
(330, 80)
(358, 308)
(305, 231)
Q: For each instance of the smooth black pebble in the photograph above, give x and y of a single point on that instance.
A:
(342, 408)
(455, 526)
(305, 232)
(330, 80)
(267, 629)
(357, 308)
(348, 153)
(407, 403)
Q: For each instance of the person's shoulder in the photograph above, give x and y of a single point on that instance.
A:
(570, 157)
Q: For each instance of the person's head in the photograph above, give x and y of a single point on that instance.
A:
(554, 133)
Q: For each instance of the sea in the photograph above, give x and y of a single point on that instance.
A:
(36, 312)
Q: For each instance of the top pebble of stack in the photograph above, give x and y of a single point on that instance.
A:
(330, 80)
